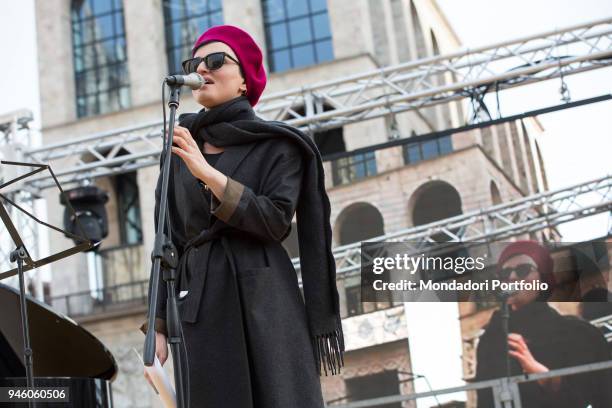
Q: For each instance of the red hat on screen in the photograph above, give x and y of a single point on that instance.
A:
(248, 53)
(535, 251)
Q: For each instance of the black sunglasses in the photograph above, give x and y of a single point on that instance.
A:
(521, 270)
(212, 61)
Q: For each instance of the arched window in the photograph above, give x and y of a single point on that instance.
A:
(434, 43)
(100, 57)
(297, 33)
(435, 201)
(495, 194)
(360, 222)
(421, 50)
(541, 165)
(444, 109)
(530, 159)
(519, 157)
(185, 20)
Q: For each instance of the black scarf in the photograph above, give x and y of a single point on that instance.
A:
(234, 122)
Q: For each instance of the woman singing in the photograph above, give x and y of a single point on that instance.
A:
(541, 340)
(236, 181)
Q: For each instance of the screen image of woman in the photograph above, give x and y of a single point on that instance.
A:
(540, 339)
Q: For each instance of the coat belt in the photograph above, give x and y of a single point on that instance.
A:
(194, 282)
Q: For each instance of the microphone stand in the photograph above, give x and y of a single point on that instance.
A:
(505, 318)
(505, 315)
(19, 255)
(165, 254)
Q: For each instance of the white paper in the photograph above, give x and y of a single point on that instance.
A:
(183, 293)
(163, 386)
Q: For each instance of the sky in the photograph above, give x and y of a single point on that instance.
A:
(575, 144)
(19, 69)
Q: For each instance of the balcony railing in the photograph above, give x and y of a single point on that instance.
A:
(375, 328)
(121, 264)
(355, 307)
(109, 299)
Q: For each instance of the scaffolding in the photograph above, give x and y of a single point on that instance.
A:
(15, 137)
(505, 390)
(529, 214)
(466, 74)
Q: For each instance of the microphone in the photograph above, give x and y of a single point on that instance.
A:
(193, 80)
(504, 294)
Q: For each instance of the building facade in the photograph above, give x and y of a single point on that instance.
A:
(101, 67)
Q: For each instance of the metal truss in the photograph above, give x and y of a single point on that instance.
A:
(530, 214)
(15, 136)
(444, 78)
(98, 155)
(410, 86)
(28, 229)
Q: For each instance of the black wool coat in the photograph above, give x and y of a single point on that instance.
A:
(556, 341)
(244, 319)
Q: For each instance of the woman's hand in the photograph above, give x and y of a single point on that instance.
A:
(520, 351)
(191, 154)
(161, 351)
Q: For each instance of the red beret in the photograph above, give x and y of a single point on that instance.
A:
(535, 251)
(248, 53)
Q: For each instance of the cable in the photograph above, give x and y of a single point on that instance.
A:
(431, 389)
(186, 366)
(497, 99)
(415, 376)
(165, 130)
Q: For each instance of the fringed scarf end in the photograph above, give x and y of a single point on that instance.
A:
(329, 351)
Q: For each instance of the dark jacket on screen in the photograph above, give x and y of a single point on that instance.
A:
(556, 341)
